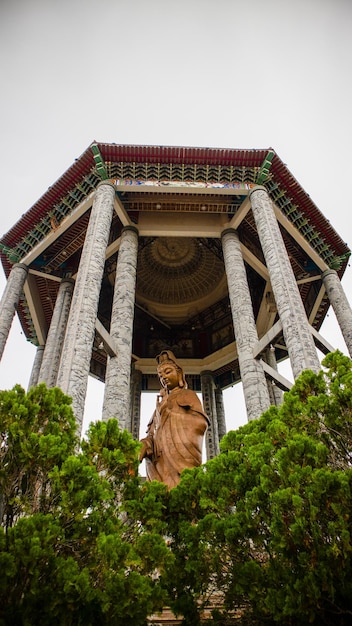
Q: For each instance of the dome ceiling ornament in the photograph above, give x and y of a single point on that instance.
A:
(177, 270)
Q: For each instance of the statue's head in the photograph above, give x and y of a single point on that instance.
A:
(167, 362)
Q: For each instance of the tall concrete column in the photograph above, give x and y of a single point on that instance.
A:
(34, 377)
(136, 392)
(9, 301)
(118, 370)
(55, 339)
(340, 305)
(220, 412)
(298, 338)
(209, 405)
(77, 348)
(255, 389)
(275, 392)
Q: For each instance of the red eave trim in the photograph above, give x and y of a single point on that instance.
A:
(187, 155)
(298, 195)
(80, 168)
(172, 154)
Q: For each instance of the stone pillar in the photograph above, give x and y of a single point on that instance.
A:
(118, 369)
(255, 389)
(78, 343)
(9, 301)
(220, 412)
(209, 405)
(298, 338)
(340, 305)
(275, 392)
(55, 339)
(34, 378)
(136, 392)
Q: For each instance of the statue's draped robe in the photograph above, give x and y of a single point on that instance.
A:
(175, 436)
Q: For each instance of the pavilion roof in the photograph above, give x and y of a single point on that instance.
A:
(100, 160)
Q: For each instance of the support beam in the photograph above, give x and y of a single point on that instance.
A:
(240, 214)
(34, 302)
(324, 346)
(267, 311)
(45, 276)
(317, 304)
(280, 381)
(267, 339)
(254, 262)
(110, 345)
(121, 212)
(308, 279)
(114, 247)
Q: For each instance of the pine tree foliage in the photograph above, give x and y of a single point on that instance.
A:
(262, 532)
(268, 522)
(71, 551)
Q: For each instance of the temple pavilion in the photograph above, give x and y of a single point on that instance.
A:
(216, 254)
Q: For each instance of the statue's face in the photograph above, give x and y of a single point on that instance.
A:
(168, 375)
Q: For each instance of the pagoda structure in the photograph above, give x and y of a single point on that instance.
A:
(216, 254)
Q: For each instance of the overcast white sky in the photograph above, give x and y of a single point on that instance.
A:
(217, 73)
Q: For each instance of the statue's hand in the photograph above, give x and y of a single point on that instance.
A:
(143, 451)
(146, 449)
(160, 397)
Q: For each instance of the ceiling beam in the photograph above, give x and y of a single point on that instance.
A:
(193, 188)
(212, 362)
(309, 279)
(181, 224)
(57, 279)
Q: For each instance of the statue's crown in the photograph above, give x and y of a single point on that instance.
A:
(166, 356)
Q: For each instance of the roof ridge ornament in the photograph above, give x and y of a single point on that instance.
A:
(265, 167)
(99, 162)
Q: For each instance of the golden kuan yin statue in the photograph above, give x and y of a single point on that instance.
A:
(176, 430)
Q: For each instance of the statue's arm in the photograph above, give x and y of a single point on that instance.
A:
(188, 399)
(147, 442)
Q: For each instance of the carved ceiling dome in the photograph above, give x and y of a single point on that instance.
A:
(176, 270)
